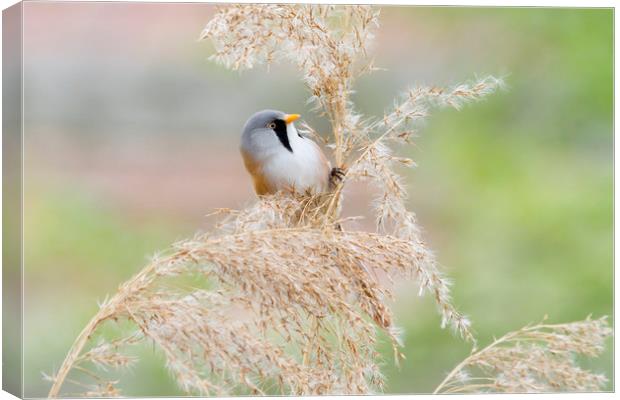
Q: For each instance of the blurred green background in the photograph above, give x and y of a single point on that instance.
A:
(132, 135)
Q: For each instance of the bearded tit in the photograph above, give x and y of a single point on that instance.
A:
(280, 159)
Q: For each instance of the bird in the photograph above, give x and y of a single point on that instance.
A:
(279, 158)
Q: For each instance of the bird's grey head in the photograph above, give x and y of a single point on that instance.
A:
(266, 131)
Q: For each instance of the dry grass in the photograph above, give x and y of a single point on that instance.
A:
(294, 299)
(540, 358)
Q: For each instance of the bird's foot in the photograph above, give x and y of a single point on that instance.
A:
(336, 176)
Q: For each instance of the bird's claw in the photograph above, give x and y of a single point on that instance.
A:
(337, 174)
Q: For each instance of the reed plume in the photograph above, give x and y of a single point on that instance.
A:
(291, 300)
(536, 358)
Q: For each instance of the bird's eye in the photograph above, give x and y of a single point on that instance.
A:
(271, 125)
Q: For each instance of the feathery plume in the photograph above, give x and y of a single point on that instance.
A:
(540, 358)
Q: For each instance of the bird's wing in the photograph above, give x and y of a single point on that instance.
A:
(261, 183)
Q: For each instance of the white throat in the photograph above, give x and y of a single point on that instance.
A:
(302, 168)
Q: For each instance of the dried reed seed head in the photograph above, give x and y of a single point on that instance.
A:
(109, 354)
(539, 358)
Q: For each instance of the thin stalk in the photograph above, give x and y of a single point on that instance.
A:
(75, 351)
(466, 361)
(109, 309)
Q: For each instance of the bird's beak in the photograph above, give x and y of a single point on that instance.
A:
(288, 118)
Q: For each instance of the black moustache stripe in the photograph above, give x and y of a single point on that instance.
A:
(280, 130)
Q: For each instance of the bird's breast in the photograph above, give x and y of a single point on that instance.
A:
(303, 168)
